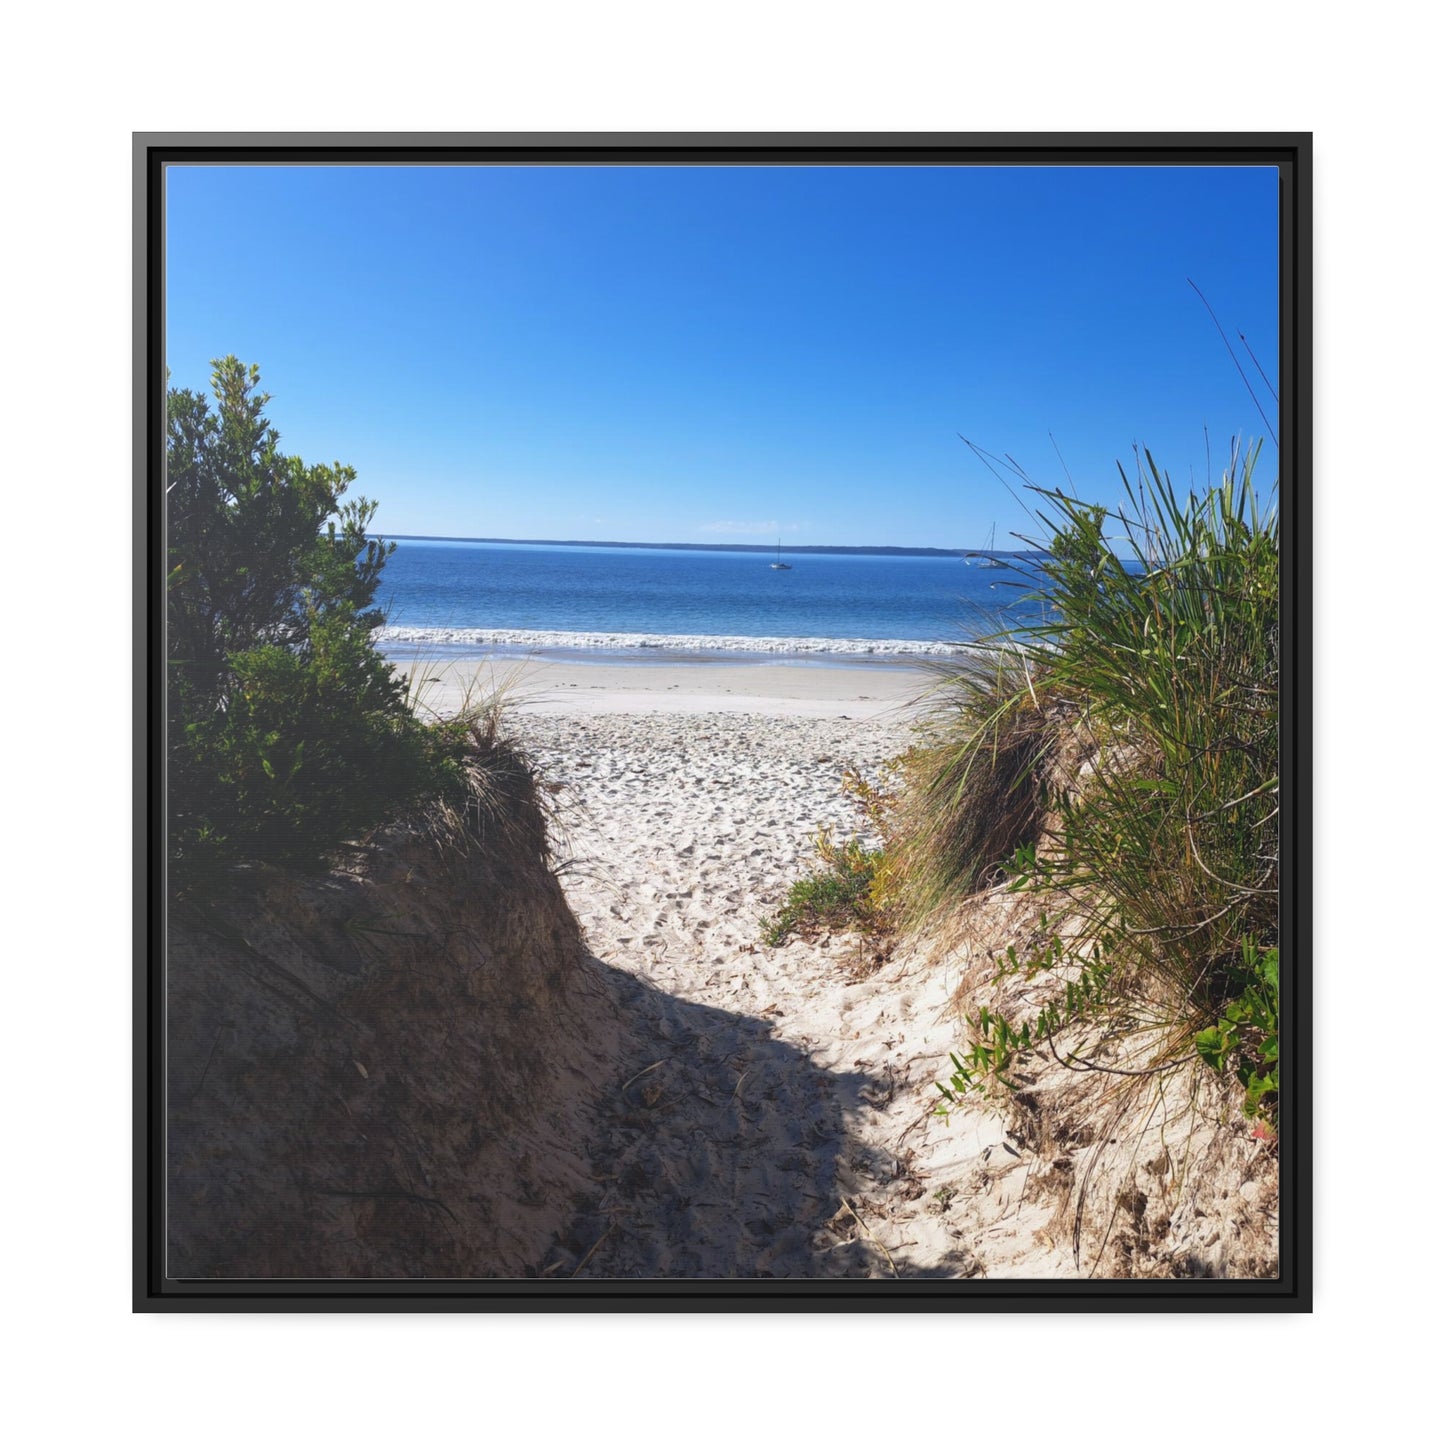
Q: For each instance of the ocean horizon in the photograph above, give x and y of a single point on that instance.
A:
(643, 601)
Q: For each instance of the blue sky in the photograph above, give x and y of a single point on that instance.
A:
(728, 354)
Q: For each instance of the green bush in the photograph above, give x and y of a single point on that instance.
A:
(288, 736)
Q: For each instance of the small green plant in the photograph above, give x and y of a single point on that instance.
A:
(1246, 1038)
(995, 1043)
(838, 896)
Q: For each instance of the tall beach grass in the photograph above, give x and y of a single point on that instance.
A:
(1119, 760)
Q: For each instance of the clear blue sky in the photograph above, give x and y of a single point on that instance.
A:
(695, 354)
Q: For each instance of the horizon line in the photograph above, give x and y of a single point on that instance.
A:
(835, 549)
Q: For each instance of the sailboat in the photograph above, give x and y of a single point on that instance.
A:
(780, 565)
(987, 559)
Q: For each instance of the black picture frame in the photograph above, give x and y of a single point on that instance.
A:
(1292, 1290)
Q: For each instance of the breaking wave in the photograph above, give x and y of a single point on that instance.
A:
(527, 640)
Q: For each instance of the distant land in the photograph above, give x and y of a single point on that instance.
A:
(704, 546)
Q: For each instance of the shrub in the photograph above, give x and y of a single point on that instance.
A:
(288, 733)
(1246, 1038)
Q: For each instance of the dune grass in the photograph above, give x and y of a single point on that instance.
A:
(1119, 759)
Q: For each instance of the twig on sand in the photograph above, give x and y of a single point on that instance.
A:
(588, 1256)
(848, 1206)
(732, 1098)
(639, 1074)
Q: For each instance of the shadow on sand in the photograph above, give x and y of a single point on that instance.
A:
(720, 1155)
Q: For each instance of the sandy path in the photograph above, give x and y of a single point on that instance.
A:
(780, 1121)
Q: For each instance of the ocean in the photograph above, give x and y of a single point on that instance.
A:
(449, 597)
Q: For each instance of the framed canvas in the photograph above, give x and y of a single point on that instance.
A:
(723, 722)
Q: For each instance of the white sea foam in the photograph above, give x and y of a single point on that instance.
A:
(489, 637)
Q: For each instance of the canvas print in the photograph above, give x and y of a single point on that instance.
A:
(722, 722)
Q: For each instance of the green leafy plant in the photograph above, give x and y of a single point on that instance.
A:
(288, 734)
(854, 888)
(838, 896)
(996, 1042)
(1245, 1040)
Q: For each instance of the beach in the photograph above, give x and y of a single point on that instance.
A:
(803, 841)
(780, 1121)
(851, 691)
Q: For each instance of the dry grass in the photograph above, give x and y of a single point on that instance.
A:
(980, 786)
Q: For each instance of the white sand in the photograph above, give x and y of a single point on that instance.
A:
(779, 1118)
(773, 688)
(778, 1084)
(782, 1122)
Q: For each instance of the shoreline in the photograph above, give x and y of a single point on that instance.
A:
(523, 642)
(601, 683)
